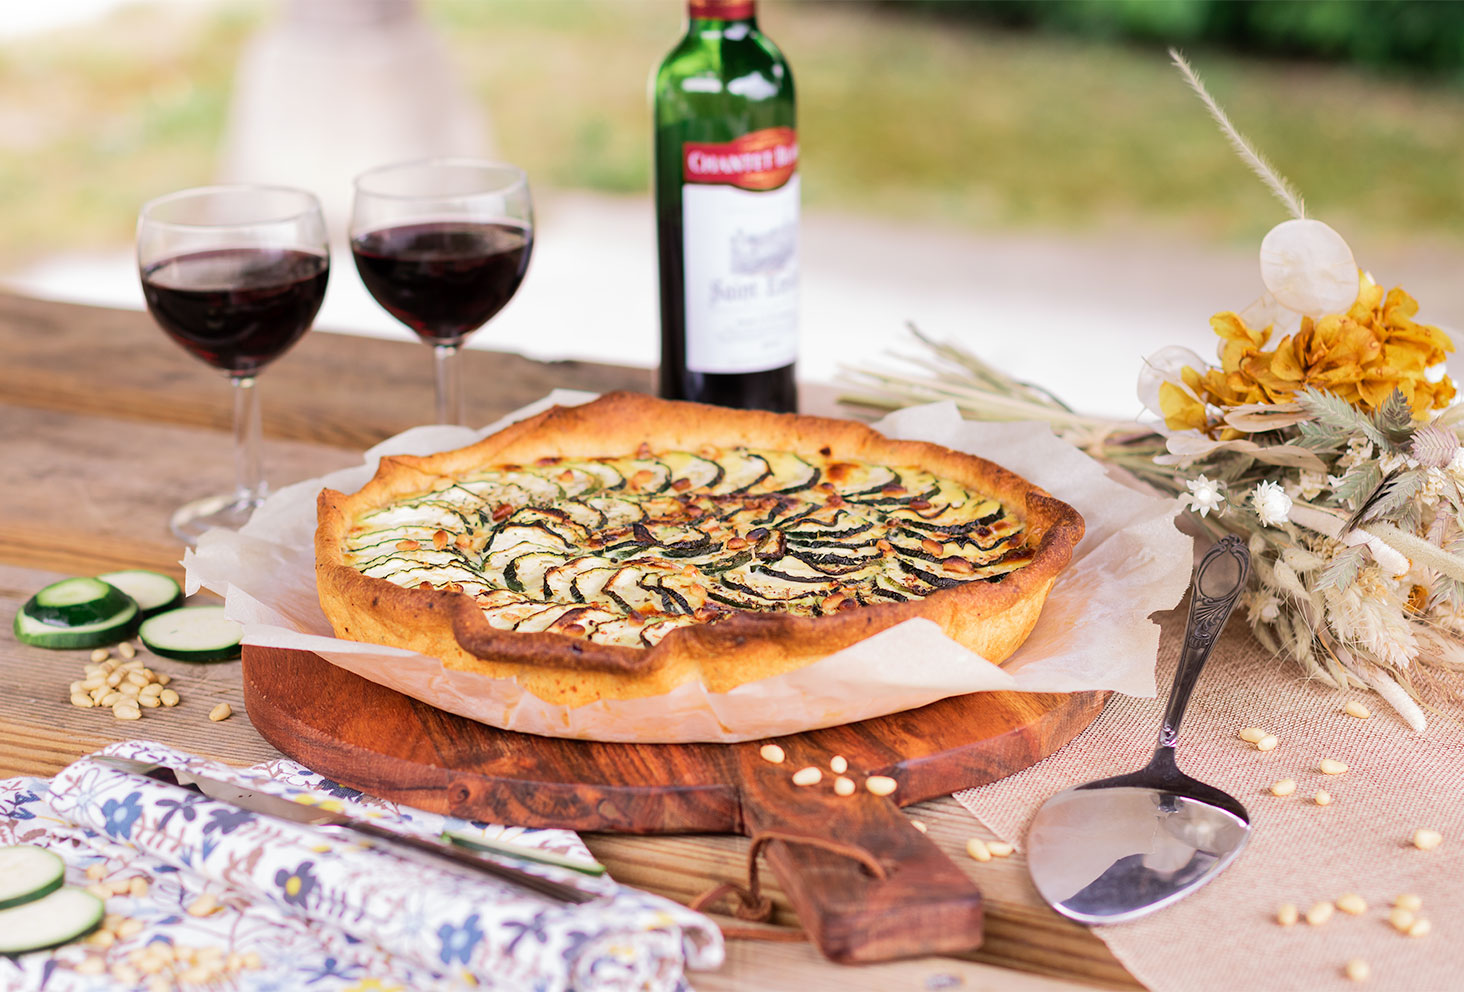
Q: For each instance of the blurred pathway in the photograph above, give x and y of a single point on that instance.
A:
(1074, 313)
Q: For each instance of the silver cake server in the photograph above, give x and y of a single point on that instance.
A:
(1118, 848)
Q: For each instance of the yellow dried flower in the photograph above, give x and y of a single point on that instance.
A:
(1361, 355)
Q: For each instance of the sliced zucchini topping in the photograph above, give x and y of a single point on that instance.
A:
(624, 550)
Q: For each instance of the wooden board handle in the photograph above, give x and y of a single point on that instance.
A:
(923, 905)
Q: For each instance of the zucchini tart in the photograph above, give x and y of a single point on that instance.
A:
(621, 548)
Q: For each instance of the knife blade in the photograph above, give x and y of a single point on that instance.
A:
(405, 845)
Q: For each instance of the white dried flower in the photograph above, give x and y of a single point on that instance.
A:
(1393, 462)
(1271, 503)
(1434, 481)
(1359, 450)
(1456, 465)
(1310, 484)
(1205, 495)
(1369, 614)
(1270, 610)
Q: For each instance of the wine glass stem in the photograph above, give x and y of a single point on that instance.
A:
(449, 390)
(247, 475)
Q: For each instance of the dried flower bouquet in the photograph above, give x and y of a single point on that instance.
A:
(1325, 436)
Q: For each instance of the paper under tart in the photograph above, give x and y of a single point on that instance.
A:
(991, 618)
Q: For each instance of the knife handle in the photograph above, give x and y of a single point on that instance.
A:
(543, 886)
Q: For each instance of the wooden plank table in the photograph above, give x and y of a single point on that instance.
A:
(106, 427)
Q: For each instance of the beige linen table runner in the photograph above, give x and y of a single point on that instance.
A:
(1226, 936)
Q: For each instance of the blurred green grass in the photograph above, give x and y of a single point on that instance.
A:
(901, 117)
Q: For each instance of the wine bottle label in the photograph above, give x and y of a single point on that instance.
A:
(739, 203)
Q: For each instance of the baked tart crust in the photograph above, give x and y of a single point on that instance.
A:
(986, 593)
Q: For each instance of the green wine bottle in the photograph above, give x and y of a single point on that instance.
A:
(727, 213)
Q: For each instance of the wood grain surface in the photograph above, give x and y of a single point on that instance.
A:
(382, 742)
(144, 440)
(328, 389)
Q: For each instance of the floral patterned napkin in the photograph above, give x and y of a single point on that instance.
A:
(297, 909)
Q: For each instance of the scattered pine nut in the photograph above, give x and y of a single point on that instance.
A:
(772, 753)
(125, 974)
(129, 928)
(807, 776)
(98, 871)
(90, 966)
(120, 886)
(223, 711)
(1267, 743)
(1354, 708)
(1319, 913)
(137, 888)
(127, 651)
(1401, 919)
(100, 655)
(1358, 970)
(1000, 848)
(163, 678)
(843, 786)
(1286, 914)
(1329, 766)
(1322, 798)
(168, 697)
(114, 678)
(838, 764)
(976, 847)
(101, 938)
(1252, 735)
(148, 702)
(1426, 840)
(127, 711)
(1352, 904)
(83, 700)
(920, 826)
(1420, 928)
(1408, 901)
(880, 785)
(99, 890)
(1285, 787)
(204, 905)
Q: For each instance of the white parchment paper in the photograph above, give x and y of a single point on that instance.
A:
(1094, 632)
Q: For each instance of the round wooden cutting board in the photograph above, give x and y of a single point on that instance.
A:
(371, 738)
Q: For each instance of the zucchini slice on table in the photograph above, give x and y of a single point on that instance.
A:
(37, 633)
(193, 633)
(153, 592)
(27, 873)
(48, 921)
(77, 603)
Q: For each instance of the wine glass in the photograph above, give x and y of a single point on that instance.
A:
(234, 274)
(443, 244)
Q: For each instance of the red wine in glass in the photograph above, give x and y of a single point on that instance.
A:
(234, 275)
(238, 309)
(443, 279)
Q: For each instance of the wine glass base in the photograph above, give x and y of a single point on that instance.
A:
(230, 511)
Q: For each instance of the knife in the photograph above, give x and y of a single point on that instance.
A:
(405, 845)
